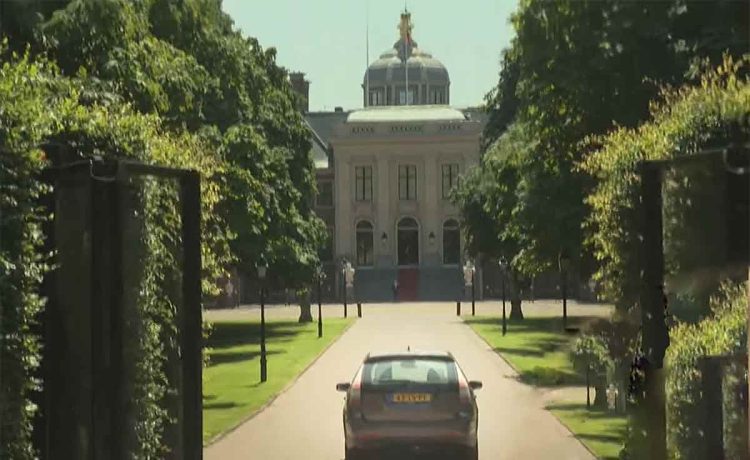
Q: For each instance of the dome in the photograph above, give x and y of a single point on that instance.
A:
(385, 80)
(390, 68)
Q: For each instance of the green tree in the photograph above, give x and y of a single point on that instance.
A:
(591, 359)
(582, 68)
(184, 61)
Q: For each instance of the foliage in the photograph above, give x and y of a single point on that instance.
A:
(185, 62)
(161, 82)
(590, 354)
(39, 106)
(682, 123)
(577, 69)
(724, 333)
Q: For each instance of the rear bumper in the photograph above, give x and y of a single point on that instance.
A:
(422, 437)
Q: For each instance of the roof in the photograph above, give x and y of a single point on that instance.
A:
(406, 113)
(381, 356)
(323, 123)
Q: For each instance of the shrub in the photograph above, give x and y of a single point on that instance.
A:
(591, 355)
(722, 333)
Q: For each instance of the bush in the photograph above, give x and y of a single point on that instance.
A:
(683, 122)
(723, 333)
(38, 105)
(591, 355)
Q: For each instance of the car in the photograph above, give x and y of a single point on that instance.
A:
(414, 402)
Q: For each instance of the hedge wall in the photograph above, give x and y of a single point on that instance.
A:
(38, 106)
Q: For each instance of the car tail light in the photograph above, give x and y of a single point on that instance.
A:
(355, 397)
(464, 392)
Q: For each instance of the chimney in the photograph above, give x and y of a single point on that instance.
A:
(301, 87)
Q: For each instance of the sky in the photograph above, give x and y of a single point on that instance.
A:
(326, 39)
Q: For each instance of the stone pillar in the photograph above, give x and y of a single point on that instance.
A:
(384, 222)
(431, 206)
(343, 192)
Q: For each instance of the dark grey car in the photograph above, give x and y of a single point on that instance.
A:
(412, 402)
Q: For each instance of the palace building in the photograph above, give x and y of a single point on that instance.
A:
(385, 173)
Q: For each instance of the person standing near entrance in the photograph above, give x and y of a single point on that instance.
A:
(395, 290)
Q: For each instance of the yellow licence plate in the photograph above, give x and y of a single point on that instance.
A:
(411, 398)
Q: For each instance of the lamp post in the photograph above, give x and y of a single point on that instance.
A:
(262, 268)
(503, 268)
(564, 263)
(320, 275)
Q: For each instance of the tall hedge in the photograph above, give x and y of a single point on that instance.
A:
(684, 121)
(39, 106)
(724, 333)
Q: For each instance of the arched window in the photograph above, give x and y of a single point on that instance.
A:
(451, 243)
(364, 244)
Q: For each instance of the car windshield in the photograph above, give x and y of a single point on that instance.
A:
(409, 371)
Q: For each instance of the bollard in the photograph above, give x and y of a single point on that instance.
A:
(458, 308)
(359, 309)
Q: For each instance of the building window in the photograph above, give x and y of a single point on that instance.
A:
(450, 179)
(437, 96)
(325, 194)
(407, 182)
(364, 244)
(363, 182)
(326, 252)
(377, 97)
(402, 96)
(451, 243)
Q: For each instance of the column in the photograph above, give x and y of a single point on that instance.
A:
(384, 223)
(431, 218)
(343, 199)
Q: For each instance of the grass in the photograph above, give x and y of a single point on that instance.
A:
(536, 347)
(231, 383)
(539, 350)
(602, 432)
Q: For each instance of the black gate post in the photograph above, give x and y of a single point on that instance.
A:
(655, 335)
(712, 401)
(191, 337)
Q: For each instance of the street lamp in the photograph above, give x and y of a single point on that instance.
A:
(262, 269)
(384, 239)
(431, 238)
(320, 275)
(503, 268)
(564, 262)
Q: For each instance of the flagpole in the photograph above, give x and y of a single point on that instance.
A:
(406, 54)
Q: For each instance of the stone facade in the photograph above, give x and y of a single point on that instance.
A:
(384, 146)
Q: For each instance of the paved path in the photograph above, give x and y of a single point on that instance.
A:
(305, 422)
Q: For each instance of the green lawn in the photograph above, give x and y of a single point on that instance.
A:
(536, 347)
(539, 350)
(231, 383)
(601, 431)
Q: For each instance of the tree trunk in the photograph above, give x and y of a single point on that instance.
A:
(515, 297)
(305, 314)
(600, 388)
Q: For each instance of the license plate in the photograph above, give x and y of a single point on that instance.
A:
(411, 398)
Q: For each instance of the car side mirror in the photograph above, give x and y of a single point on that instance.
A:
(475, 385)
(343, 386)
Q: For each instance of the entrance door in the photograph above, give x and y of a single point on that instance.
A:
(408, 242)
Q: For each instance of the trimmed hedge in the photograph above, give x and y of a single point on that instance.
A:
(37, 106)
(724, 333)
(683, 122)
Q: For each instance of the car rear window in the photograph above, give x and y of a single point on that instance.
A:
(408, 371)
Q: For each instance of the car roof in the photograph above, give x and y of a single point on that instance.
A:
(425, 354)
